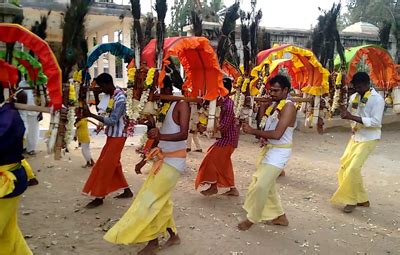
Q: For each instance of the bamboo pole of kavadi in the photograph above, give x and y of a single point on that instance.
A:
(62, 123)
(33, 108)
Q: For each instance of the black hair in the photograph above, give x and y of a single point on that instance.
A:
(282, 80)
(227, 84)
(360, 78)
(103, 79)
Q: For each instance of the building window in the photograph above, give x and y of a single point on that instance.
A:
(104, 39)
(94, 41)
(119, 65)
(118, 36)
(106, 67)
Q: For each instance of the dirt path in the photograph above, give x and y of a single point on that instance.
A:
(53, 218)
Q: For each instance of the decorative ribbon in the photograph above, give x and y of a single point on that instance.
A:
(158, 156)
(7, 178)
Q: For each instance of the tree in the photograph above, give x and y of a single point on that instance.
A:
(384, 34)
(377, 12)
(372, 11)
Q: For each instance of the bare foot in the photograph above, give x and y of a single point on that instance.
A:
(127, 194)
(94, 203)
(279, 221)
(282, 173)
(150, 248)
(33, 182)
(365, 204)
(233, 192)
(210, 191)
(173, 240)
(245, 225)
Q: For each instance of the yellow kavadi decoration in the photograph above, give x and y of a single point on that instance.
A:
(314, 75)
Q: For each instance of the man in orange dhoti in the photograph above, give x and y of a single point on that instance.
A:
(216, 170)
(107, 175)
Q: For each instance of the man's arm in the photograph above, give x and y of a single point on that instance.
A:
(115, 115)
(288, 114)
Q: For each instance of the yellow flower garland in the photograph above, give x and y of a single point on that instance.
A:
(150, 77)
(131, 74)
(72, 94)
(239, 81)
(280, 106)
(245, 84)
(77, 76)
(110, 105)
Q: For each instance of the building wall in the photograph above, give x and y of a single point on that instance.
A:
(104, 18)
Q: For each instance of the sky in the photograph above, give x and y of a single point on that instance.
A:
(276, 13)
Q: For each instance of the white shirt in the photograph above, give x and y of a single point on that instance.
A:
(278, 157)
(371, 114)
(170, 127)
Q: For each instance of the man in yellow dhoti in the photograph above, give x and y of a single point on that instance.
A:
(262, 201)
(365, 111)
(13, 181)
(151, 213)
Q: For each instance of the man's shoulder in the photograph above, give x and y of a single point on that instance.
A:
(376, 98)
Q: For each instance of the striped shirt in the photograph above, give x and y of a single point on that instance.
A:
(115, 123)
(227, 125)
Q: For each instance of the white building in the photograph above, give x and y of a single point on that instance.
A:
(105, 22)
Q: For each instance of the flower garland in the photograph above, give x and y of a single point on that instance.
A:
(163, 111)
(72, 95)
(150, 77)
(355, 104)
(69, 126)
(270, 111)
(242, 97)
(129, 93)
(236, 98)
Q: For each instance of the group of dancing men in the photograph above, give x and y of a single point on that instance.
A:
(151, 213)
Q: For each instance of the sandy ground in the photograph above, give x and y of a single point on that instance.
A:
(54, 221)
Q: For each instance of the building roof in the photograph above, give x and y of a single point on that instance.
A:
(362, 28)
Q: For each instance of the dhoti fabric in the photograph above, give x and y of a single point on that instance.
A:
(11, 240)
(217, 167)
(351, 189)
(107, 175)
(151, 213)
(262, 201)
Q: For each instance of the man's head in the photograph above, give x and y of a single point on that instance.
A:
(279, 88)
(167, 89)
(361, 82)
(105, 83)
(228, 85)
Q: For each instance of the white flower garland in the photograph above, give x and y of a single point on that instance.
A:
(240, 104)
(139, 108)
(130, 111)
(69, 126)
